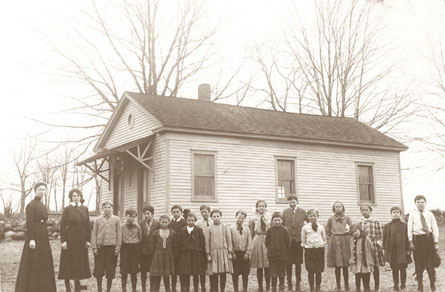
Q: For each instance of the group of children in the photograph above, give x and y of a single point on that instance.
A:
(180, 245)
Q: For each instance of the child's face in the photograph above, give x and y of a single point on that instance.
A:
(148, 215)
(292, 203)
(216, 218)
(164, 223)
(356, 233)
(261, 208)
(131, 218)
(107, 209)
(395, 214)
(191, 221)
(240, 219)
(420, 204)
(277, 221)
(76, 197)
(176, 213)
(338, 208)
(205, 213)
(366, 212)
(313, 217)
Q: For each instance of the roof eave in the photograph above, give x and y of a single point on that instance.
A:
(284, 139)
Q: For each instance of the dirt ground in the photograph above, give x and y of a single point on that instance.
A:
(10, 253)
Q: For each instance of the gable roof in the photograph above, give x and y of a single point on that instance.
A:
(191, 115)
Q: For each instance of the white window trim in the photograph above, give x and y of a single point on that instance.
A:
(372, 164)
(294, 159)
(192, 195)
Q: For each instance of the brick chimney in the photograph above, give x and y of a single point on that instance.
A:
(204, 92)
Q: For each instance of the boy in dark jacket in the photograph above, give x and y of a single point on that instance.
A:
(396, 246)
(278, 244)
(148, 225)
(176, 224)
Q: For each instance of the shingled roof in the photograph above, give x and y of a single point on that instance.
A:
(195, 115)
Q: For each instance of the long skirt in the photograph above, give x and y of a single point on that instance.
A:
(191, 262)
(220, 261)
(36, 270)
(74, 262)
(240, 265)
(163, 263)
(258, 258)
(129, 263)
(145, 262)
(314, 259)
(277, 268)
(338, 251)
(105, 262)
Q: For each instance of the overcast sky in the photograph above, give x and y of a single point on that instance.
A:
(28, 91)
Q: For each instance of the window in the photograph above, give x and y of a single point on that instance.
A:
(365, 180)
(285, 178)
(204, 185)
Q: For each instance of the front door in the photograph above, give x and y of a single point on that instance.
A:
(142, 189)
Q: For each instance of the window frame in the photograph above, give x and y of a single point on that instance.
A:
(373, 201)
(287, 158)
(215, 180)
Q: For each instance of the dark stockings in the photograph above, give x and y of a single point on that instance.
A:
(259, 276)
(314, 277)
(245, 278)
(365, 277)
(185, 283)
(157, 283)
(345, 276)
(202, 279)
(395, 277)
(376, 278)
(222, 281)
(274, 283)
(76, 285)
(99, 284)
(134, 280)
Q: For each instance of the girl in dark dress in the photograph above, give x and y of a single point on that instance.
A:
(75, 235)
(36, 271)
(192, 254)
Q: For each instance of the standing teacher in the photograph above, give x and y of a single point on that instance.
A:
(75, 234)
(36, 271)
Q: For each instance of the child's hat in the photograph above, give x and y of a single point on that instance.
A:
(277, 214)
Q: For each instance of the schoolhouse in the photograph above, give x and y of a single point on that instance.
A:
(167, 150)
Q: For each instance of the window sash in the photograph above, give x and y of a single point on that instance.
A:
(366, 183)
(285, 178)
(204, 176)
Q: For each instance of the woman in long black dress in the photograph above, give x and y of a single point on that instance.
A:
(36, 271)
(75, 234)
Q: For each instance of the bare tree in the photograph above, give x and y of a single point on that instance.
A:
(8, 208)
(64, 170)
(156, 47)
(279, 85)
(23, 158)
(345, 65)
(47, 167)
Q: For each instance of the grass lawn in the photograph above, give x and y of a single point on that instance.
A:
(10, 253)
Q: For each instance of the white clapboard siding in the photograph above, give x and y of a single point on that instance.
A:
(157, 177)
(122, 134)
(246, 172)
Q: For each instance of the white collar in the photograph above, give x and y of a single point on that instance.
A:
(190, 229)
(74, 204)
